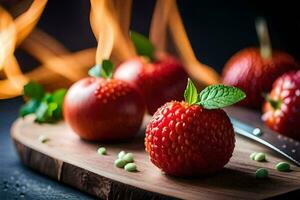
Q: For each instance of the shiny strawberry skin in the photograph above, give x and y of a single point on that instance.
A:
(254, 74)
(161, 81)
(103, 110)
(285, 119)
(188, 140)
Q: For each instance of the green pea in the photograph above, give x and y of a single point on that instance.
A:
(261, 173)
(260, 157)
(43, 139)
(121, 154)
(283, 167)
(128, 158)
(130, 167)
(102, 151)
(252, 155)
(120, 163)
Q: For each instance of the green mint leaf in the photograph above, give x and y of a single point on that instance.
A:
(45, 113)
(58, 96)
(219, 96)
(51, 108)
(190, 93)
(30, 107)
(41, 113)
(142, 44)
(34, 90)
(46, 106)
(104, 70)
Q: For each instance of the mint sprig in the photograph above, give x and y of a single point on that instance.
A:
(214, 96)
(47, 107)
(142, 44)
(34, 90)
(103, 70)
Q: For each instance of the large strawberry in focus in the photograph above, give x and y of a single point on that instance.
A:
(104, 109)
(160, 79)
(255, 74)
(193, 137)
(282, 108)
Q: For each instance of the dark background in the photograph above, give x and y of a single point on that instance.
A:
(217, 29)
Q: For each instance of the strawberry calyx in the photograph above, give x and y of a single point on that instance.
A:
(143, 45)
(275, 104)
(103, 70)
(214, 96)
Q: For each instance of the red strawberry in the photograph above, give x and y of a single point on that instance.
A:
(100, 109)
(282, 108)
(193, 137)
(254, 74)
(160, 81)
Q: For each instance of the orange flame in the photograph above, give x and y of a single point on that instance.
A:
(59, 67)
(167, 21)
(112, 37)
(110, 21)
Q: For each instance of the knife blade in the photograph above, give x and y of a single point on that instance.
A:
(285, 146)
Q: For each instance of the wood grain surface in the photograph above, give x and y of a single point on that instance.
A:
(75, 162)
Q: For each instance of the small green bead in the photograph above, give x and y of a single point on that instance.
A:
(130, 167)
(261, 173)
(252, 155)
(120, 163)
(283, 167)
(260, 157)
(121, 154)
(43, 139)
(128, 158)
(102, 151)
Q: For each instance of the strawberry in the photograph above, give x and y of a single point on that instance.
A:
(254, 74)
(104, 109)
(193, 137)
(282, 108)
(160, 79)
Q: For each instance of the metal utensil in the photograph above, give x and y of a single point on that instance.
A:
(287, 147)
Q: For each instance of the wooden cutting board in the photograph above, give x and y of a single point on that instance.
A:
(75, 162)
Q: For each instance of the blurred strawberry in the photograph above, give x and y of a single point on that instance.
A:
(255, 69)
(101, 108)
(282, 108)
(252, 73)
(160, 79)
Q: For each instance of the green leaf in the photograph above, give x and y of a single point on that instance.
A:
(58, 96)
(219, 96)
(275, 104)
(107, 69)
(190, 93)
(34, 90)
(29, 108)
(47, 107)
(41, 113)
(104, 70)
(142, 44)
(45, 112)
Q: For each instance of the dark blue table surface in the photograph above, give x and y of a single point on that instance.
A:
(18, 181)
